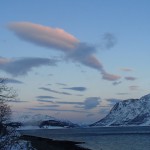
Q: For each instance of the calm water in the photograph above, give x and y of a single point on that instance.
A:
(108, 138)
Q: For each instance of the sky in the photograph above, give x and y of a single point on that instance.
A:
(74, 60)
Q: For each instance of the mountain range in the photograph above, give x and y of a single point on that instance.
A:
(40, 121)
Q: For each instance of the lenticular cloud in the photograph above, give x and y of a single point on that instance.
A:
(58, 39)
(44, 36)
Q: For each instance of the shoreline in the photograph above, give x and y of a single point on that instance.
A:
(49, 144)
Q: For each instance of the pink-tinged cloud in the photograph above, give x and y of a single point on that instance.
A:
(110, 77)
(58, 39)
(44, 36)
(130, 78)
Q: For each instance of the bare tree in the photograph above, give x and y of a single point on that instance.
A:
(6, 95)
(9, 137)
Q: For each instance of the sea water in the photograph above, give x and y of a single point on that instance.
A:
(101, 138)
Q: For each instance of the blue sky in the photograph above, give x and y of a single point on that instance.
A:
(74, 59)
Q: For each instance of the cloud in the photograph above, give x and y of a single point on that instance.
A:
(117, 82)
(130, 78)
(110, 77)
(8, 80)
(79, 95)
(126, 69)
(62, 84)
(21, 66)
(109, 40)
(43, 100)
(91, 102)
(84, 54)
(48, 84)
(44, 36)
(49, 106)
(70, 103)
(53, 91)
(134, 87)
(81, 89)
(46, 97)
(58, 39)
(122, 93)
(88, 103)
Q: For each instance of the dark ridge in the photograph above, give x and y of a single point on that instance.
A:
(48, 144)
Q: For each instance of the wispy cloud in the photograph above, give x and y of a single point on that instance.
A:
(117, 82)
(58, 39)
(134, 87)
(122, 93)
(130, 78)
(109, 40)
(49, 106)
(45, 100)
(54, 91)
(62, 84)
(21, 66)
(81, 89)
(127, 69)
(79, 95)
(70, 103)
(46, 97)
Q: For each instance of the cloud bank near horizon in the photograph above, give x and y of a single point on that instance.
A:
(58, 39)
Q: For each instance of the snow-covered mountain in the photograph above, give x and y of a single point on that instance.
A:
(32, 120)
(41, 121)
(128, 113)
